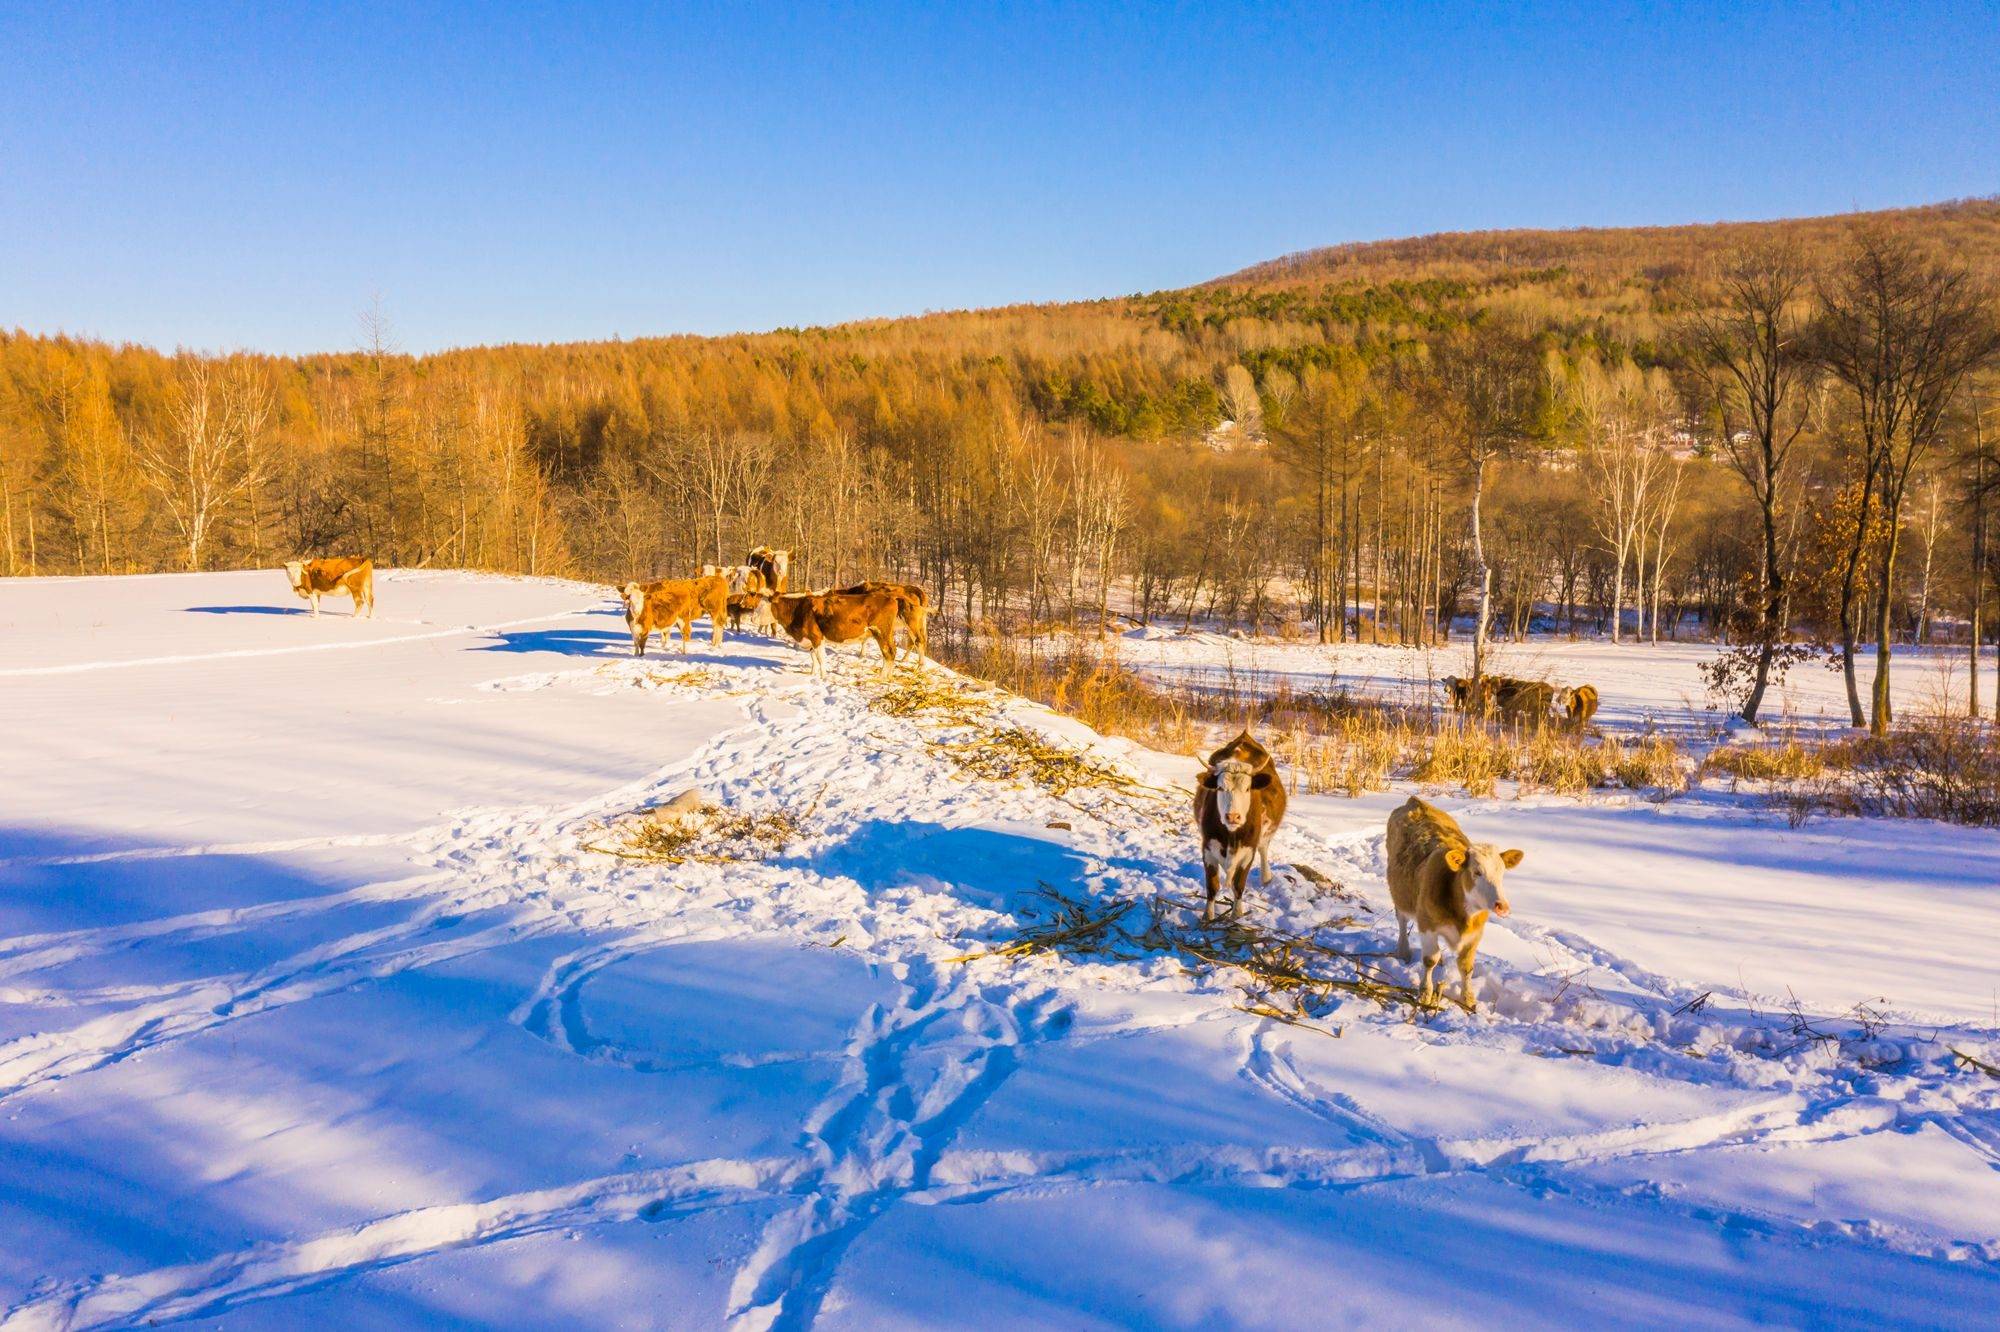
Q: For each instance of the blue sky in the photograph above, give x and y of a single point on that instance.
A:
(254, 175)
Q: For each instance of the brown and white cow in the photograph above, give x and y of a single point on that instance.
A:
(814, 619)
(751, 606)
(1470, 695)
(1238, 806)
(313, 579)
(1529, 701)
(1448, 885)
(913, 607)
(774, 567)
(1579, 705)
(668, 602)
(747, 599)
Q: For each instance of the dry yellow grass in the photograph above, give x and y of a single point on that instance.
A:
(1017, 755)
(707, 834)
(1329, 741)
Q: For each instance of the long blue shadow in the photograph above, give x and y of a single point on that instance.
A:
(566, 642)
(246, 610)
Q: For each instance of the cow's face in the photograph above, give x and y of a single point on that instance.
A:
(1233, 780)
(1482, 870)
(296, 571)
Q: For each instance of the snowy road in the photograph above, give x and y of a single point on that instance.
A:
(315, 1004)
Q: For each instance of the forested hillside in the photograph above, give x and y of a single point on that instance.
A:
(1048, 459)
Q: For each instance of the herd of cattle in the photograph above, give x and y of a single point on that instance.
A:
(1439, 880)
(755, 592)
(1530, 701)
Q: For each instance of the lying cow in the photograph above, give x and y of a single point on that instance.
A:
(1512, 699)
(1447, 885)
(1530, 701)
(313, 579)
(912, 608)
(1578, 705)
(1238, 806)
(669, 602)
(814, 619)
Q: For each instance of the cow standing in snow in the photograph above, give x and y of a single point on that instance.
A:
(814, 619)
(1447, 884)
(913, 606)
(668, 602)
(1238, 806)
(313, 579)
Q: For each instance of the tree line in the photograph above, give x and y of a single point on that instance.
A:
(1788, 444)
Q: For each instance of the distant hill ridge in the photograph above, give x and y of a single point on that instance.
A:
(1969, 227)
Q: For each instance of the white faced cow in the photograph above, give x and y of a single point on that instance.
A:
(1238, 807)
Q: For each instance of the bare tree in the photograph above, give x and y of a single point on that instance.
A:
(1487, 389)
(1239, 396)
(1984, 481)
(205, 462)
(1318, 435)
(1902, 330)
(1753, 355)
(1620, 416)
(724, 472)
(1658, 527)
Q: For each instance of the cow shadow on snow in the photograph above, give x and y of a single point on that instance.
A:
(994, 868)
(616, 645)
(247, 610)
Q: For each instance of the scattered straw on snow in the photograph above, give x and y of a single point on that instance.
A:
(704, 833)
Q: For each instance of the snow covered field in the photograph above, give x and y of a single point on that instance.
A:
(316, 1006)
(1654, 684)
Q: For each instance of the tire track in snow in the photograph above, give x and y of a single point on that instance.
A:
(262, 1271)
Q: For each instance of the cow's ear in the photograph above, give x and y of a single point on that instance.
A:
(1207, 780)
(1260, 781)
(1454, 859)
(1510, 858)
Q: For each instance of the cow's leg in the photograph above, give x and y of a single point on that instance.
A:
(1402, 937)
(640, 633)
(715, 627)
(1427, 975)
(1264, 861)
(1240, 879)
(313, 597)
(887, 642)
(1211, 869)
(1467, 953)
(687, 631)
